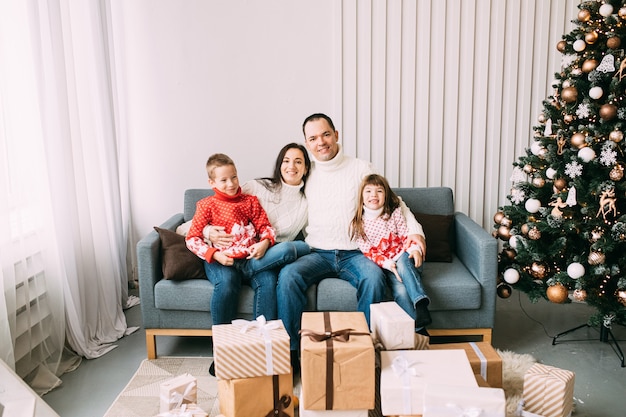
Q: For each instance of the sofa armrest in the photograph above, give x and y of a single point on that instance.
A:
(478, 251)
(149, 270)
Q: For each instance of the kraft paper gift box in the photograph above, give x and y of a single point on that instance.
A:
(392, 326)
(175, 392)
(258, 396)
(406, 373)
(483, 358)
(454, 401)
(548, 391)
(337, 361)
(245, 349)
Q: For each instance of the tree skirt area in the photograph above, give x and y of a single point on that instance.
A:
(140, 398)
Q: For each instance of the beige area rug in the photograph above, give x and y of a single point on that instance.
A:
(140, 398)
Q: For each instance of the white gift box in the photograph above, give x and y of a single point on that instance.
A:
(392, 326)
(406, 373)
(246, 349)
(328, 413)
(175, 392)
(454, 401)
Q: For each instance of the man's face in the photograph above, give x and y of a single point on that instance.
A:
(321, 140)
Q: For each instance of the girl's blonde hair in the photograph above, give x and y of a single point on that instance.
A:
(392, 202)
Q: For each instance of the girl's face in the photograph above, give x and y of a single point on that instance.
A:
(373, 196)
(293, 167)
(225, 179)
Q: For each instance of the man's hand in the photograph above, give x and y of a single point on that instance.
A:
(258, 249)
(219, 238)
(223, 259)
(417, 240)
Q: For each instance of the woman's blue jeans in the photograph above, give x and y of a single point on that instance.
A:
(260, 274)
(350, 265)
(408, 292)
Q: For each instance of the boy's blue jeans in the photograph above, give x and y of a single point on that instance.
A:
(408, 292)
(260, 274)
(350, 265)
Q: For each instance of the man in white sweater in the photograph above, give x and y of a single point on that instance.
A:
(332, 193)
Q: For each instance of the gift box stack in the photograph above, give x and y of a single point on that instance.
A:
(178, 397)
(548, 391)
(484, 359)
(253, 368)
(338, 365)
(417, 380)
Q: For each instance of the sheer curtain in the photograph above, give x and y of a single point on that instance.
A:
(64, 207)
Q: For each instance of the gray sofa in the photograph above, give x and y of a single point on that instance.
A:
(462, 292)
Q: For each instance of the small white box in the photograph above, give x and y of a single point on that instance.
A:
(392, 326)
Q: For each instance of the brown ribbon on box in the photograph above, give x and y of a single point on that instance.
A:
(280, 404)
(328, 336)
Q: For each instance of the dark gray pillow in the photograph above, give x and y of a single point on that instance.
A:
(178, 262)
(439, 231)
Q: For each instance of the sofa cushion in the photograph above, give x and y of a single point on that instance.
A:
(439, 231)
(178, 262)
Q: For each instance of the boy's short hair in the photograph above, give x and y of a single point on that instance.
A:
(217, 160)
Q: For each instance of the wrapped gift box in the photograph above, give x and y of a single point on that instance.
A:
(186, 410)
(392, 326)
(174, 392)
(302, 412)
(258, 396)
(245, 349)
(406, 373)
(548, 391)
(337, 361)
(454, 401)
(483, 357)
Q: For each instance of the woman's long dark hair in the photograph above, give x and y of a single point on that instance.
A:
(275, 182)
(392, 202)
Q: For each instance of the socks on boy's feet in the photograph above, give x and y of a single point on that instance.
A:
(422, 315)
(212, 369)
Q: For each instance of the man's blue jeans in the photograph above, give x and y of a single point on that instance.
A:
(408, 292)
(260, 274)
(350, 265)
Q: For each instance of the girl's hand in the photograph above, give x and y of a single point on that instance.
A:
(417, 258)
(258, 249)
(223, 259)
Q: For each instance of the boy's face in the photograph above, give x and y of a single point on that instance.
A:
(373, 196)
(321, 140)
(225, 179)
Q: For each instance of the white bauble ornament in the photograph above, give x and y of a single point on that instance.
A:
(511, 276)
(550, 173)
(580, 45)
(536, 148)
(532, 205)
(595, 92)
(586, 154)
(575, 270)
(513, 242)
(606, 10)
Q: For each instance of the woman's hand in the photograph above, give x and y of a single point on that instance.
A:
(218, 237)
(417, 240)
(417, 257)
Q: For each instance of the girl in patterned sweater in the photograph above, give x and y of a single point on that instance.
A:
(380, 230)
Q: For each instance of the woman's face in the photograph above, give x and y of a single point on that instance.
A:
(293, 167)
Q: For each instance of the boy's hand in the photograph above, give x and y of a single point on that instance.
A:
(223, 259)
(258, 249)
(218, 237)
(417, 257)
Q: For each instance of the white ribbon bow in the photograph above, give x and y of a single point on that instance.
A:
(263, 326)
(177, 398)
(402, 368)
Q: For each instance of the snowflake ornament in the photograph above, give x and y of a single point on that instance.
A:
(608, 157)
(568, 59)
(517, 196)
(583, 111)
(518, 176)
(573, 169)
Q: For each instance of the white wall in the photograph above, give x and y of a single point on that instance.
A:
(434, 92)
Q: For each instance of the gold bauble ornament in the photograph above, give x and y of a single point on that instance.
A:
(622, 13)
(557, 293)
(589, 65)
(525, 228)
(510, 253)
(528, 168)
(497, 218)
(596, 258)
(621, 296)
(504, 290)
(578, 140)
(504, 233)
(617, 173)
(568, 118)
(584, 15)
(569, 94)
(560, 184)
(560, 46)
(596, 234)
(613, 42)
(538, 270)
(539, 182)
(534, 233)
(608, 112)
(541, 118)
(506, 222)
(616, 136)
(579, 295)
(591, 37)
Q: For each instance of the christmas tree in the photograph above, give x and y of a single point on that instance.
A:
(564, 232)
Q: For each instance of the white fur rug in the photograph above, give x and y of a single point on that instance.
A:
(140, 398)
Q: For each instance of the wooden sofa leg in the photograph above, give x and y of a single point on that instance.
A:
(151, 335)
(151, 344)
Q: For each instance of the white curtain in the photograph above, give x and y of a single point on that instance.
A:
(64, 209)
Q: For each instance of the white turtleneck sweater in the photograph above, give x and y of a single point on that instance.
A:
(286, 210)
(332, 191)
